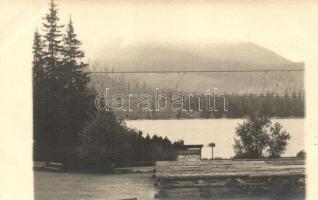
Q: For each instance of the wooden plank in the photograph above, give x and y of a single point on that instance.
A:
(188, 170)
(233, 168)
(209, 185)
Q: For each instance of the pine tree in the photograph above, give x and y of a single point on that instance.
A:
(76, 98)
(72, 60)
(71, 46)
(52, 37)
(51, 110)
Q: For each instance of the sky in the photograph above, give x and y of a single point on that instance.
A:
(287, 27)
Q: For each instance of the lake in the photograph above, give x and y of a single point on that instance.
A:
(219, 131)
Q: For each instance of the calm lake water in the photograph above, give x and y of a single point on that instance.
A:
(220, 131)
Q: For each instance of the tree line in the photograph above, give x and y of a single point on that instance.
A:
(256, 138)
(67, 127)
(272, 104)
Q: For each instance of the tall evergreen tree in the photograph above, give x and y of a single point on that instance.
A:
(72, 60)
(67, 97)
(71, 49)
(52, 88)
(53, 37)
(77, 99)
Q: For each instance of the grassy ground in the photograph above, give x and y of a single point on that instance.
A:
(74, 186)
(65, 186)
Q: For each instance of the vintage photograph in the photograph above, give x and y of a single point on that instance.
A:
(141, 100)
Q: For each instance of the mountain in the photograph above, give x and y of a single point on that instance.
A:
(221, 56)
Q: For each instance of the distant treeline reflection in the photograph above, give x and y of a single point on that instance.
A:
(236, 106)
(278, 102)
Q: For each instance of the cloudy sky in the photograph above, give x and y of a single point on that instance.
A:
(290, 28)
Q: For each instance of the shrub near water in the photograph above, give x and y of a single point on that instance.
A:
(257, 137)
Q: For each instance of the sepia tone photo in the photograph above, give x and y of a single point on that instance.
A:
(138, 100)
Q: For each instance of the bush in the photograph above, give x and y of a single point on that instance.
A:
(258, 138)
(301, 154)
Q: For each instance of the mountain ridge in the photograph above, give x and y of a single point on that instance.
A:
(221, 56)
(162, 56)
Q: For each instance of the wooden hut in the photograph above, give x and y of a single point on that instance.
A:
(189, 152)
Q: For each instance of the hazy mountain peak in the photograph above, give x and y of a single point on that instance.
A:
(189, 56)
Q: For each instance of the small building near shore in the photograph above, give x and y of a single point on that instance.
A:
(189, 152)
